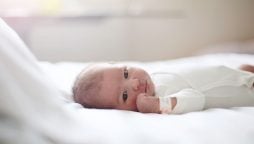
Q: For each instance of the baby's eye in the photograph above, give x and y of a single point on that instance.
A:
(125, 73)
(125, 96)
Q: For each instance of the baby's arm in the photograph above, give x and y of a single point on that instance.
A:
(186, 100)
(151, 104)
(247, 67)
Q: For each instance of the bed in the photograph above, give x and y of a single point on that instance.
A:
(36, 105)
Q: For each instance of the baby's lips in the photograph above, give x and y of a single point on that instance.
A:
(142, 86)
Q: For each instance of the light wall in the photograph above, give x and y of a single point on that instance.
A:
(156, 30)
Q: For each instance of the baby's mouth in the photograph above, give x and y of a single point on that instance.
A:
(146, 87)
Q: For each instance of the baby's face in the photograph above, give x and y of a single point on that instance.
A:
(122, 84)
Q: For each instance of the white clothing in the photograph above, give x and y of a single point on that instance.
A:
(203, 88)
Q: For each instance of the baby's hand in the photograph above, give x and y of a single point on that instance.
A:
(148, 104)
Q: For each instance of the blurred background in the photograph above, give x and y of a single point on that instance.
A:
(120, 30)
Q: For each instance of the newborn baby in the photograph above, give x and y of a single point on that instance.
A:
(115, 86)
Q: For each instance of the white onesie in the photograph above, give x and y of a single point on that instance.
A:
(203, 88)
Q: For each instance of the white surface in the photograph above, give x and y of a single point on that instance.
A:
(32, 110)
(232, 126)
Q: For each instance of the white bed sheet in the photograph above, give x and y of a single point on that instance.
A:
(32, 110)
(234, 126)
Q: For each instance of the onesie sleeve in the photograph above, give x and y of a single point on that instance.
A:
(188, 100)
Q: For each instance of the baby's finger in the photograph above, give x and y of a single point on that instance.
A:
(142, 95)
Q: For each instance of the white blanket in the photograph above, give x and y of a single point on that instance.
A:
(33, 109)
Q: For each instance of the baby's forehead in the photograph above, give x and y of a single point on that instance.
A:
(111, 81)
(108, 70)
(111, 65)
(113, 74)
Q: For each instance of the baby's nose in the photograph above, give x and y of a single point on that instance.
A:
(138, 85)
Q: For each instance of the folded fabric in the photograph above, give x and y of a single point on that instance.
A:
(30, 105)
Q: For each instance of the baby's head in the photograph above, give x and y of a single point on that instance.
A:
(111, 86)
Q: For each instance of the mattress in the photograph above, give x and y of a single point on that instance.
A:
(234, 125)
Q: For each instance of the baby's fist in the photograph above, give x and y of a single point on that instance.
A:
(147, 104)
